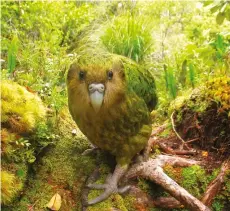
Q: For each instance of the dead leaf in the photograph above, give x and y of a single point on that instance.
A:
(55, 202)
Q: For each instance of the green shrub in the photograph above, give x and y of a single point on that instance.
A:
(129, 35)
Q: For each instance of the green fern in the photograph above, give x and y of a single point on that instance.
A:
(170, 81)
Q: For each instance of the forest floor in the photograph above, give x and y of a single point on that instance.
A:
(64, 170)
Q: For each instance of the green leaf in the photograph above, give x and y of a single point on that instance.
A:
(172, 83)
(182, 77)
(166, 76)
(227, 13)
(214, 8)
(220, 43)
(220, 18)
(190, 48)
(206, 3)
(222, 10)
(12, 52)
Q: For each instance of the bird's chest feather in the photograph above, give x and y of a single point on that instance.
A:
(115, 129)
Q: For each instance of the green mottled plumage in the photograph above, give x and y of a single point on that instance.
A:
(123, 124)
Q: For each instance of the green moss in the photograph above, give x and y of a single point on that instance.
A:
(217, 206)
(61, 169)
(194, 180)
(216, 90)
(173, 172)
(129, 202)
(10, 186)
(166, 132)
(20, 108)
(114, 201)
(13, 178)
(22, 112)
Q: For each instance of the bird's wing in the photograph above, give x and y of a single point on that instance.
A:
(141, 81)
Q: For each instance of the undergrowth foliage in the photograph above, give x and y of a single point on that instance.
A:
(183, 44)
(130, 38)
(22, 111)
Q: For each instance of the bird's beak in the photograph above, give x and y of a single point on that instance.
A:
(96, 94)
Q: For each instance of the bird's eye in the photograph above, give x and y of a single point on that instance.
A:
(110, 74)
(81, 75)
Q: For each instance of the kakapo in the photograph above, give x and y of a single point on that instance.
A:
(110, 98)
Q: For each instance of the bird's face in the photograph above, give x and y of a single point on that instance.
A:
(95, 88)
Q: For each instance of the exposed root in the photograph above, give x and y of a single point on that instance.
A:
(159, 129)
(153, 170)
(167, 202)
(215, 186)
(177, 134)
(171, 151)
(152, 139)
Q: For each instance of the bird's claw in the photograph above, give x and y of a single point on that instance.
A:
(109, 190)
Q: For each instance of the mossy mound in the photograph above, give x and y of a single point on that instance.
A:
(21, 109)
(205, 116)
(21, 114)
(63, 169)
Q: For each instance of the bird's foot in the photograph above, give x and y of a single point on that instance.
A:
(109, 188)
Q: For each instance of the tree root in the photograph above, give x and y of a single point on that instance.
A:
(167, 202)
(177, 134)
(169, 150)
(215, 186)
(153, 170)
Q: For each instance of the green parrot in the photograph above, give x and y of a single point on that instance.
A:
(110, 98)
